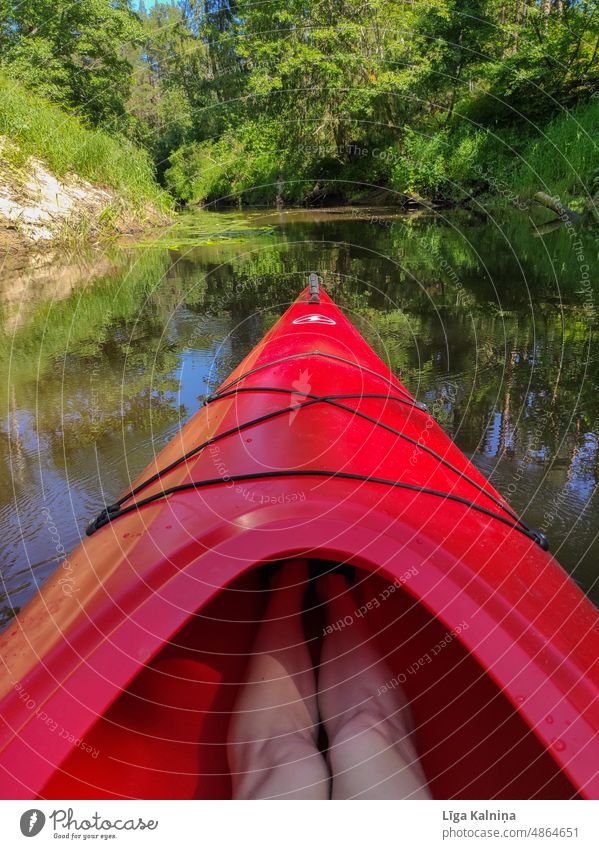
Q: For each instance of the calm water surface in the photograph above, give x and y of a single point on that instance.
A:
(104, 355)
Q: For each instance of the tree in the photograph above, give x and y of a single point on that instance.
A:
(161, 100)
(72, 52)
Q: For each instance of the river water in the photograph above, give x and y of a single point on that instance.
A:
(105, 353)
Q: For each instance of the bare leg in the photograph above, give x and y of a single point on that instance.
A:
(272, 746)
(371, 752)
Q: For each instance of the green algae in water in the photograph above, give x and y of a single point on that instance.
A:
(195, 229)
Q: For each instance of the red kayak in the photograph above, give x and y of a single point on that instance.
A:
(119, 677)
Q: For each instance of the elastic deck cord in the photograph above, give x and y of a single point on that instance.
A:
(115, 510)
(110, 513)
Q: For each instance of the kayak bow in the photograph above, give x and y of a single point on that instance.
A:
(312, 448)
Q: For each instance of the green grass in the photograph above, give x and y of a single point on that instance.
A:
(565, 160)
(41, 129)
(560, 158)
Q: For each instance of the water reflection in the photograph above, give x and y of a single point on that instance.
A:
(105, 355)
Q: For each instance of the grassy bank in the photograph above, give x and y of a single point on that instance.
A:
(564, 161)
(34, 128)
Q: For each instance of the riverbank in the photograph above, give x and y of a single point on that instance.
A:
(38, 209)
(459, 165)
(62, 182)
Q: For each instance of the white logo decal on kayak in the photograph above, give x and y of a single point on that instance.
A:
(301, 387)
(314, 318)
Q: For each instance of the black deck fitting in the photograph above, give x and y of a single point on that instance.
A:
(314, 284)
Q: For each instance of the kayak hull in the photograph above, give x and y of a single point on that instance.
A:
(151, 630)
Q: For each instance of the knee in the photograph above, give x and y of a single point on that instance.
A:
(370, 727)
(260, 756)
(264, 768)
(352, 728)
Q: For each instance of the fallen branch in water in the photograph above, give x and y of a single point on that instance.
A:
(555, 205)
(548, 227)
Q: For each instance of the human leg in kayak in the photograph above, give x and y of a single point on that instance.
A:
(272, 745)
(371, 752)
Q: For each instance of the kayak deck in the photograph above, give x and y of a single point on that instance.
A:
(312, 448)
(165, 736)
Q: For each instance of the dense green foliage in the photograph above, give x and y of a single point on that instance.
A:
(316, 100)
(329, 100)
